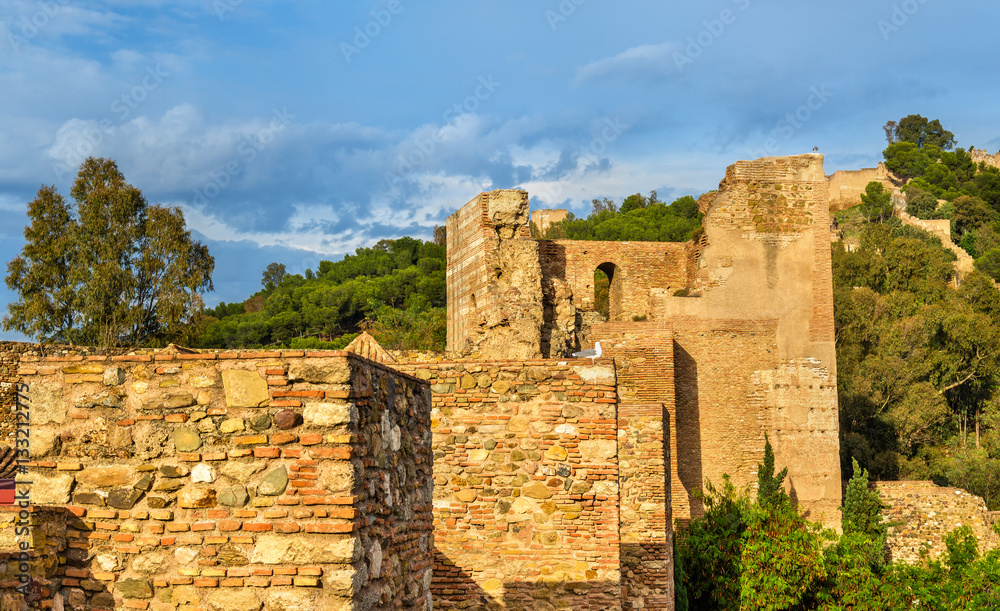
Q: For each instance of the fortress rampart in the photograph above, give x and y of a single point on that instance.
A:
(501, 475)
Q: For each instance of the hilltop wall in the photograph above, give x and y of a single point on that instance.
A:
(983, 156)
(846, 186)
(230, 481)
(921, 514)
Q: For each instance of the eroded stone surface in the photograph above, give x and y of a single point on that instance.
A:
(274, 483)
(245, 388)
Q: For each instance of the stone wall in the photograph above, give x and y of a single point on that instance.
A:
(922, 513)
(32, 541)
(528, 488)
(755, 348)
(10, 358)
(634, 268)
(983, 156)
(846, 186)
(494, 292)
(260, 480)
(746, 351)
(545, 217)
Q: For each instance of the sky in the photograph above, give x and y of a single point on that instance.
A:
(298, 131)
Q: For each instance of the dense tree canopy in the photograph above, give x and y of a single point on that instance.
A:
(919, 131)
(917, 153)
(110, 270)
(639, 218)
(395, 289)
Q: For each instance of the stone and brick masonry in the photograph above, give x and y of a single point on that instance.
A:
(548, 494)
(263, 480)
(291, 481)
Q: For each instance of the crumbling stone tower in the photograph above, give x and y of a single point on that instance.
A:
(737, 339)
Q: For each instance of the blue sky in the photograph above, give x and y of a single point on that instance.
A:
(299, 131)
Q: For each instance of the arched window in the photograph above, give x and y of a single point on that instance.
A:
(608, 290)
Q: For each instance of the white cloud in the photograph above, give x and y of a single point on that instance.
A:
(636, 62)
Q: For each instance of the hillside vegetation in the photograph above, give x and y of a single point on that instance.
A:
(396, 290)
(917, 359)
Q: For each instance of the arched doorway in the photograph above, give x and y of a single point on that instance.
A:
(608, 290)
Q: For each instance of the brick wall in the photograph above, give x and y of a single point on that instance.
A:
(467, 275)
(634, 269)
(32, 541)
(922, 513)
(528, 487)
(234, 481)
(526, 478)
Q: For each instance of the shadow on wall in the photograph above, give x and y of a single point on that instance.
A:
(688, 428)
(454, 588)
(54, 571)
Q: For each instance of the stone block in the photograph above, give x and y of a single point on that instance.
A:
(134, 588)
(233, 496)
(274, 483)
(196, 498)
(229, 599)
(330, 414)
(51, 489)
(536, 490)
(291, 600)
(186, 440)
(123, 498)
(103, 477)
(241, 471)
(336, 371)
(337, 477)
(48, 404)
(598, 449)
(245, 388)
(306, 549)
(203, 473)
(43, 442)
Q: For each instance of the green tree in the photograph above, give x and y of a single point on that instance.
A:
(862, 512)
(920, 203)
(114, 271)
(969, 214)
(273, 275)
(49, 304)
(989, 263)
(876, 203)
(920, 131)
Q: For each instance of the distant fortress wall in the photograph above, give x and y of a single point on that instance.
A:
(846, 186)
